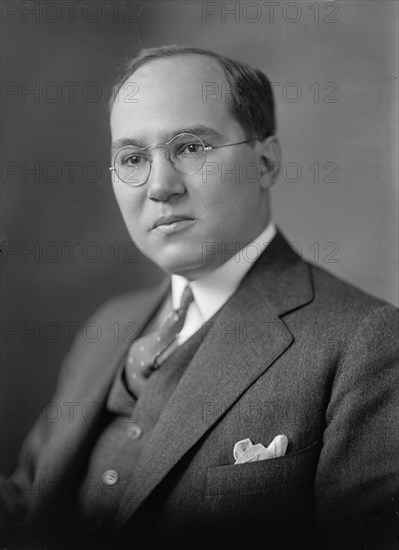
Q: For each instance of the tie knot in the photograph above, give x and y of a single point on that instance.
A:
(186, 300)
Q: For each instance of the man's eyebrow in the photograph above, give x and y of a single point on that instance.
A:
(200, 130)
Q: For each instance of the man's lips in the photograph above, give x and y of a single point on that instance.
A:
(169, 220)
(169, 225)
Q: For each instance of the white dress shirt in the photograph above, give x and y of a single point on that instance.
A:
(213, 290)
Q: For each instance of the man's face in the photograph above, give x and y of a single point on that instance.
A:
(224, 210)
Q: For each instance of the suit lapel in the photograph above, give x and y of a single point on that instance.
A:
(240, 343)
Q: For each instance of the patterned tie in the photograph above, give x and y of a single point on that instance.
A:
(143, 354)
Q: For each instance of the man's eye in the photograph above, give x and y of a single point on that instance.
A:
(133, 160)
(191, 149)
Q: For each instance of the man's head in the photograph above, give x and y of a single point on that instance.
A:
(167, 91)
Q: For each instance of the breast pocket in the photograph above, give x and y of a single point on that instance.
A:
(294, 469)
(276, 493)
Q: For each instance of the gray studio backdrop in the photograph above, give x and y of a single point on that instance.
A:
(64, 247)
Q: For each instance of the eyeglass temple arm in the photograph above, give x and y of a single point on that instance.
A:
(210, 147)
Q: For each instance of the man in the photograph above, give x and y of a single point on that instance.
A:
(259, 404)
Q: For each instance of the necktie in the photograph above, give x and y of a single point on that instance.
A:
(143, 354)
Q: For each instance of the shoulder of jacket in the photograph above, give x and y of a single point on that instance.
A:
(123, 305)
(336, 294)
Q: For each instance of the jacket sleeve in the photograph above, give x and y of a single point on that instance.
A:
(17, 491)
(357, 480)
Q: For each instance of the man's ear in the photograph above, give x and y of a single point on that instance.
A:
(269, 152)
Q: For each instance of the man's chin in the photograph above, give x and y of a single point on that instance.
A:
(182, 264)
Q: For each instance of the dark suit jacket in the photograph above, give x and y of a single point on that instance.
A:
(294, 351)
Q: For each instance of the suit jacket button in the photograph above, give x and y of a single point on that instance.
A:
(135, 431)
(110, 477)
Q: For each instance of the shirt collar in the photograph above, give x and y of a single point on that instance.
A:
(213, 290)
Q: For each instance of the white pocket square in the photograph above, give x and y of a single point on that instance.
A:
(246, 451)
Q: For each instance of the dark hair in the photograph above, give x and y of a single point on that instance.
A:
(251, 94)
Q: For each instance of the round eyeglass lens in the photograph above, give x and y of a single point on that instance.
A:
(132, 165)
(187, 153)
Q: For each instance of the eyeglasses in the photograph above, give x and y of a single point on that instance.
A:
(185, 152)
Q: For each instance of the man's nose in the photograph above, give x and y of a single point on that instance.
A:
(164, 181)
